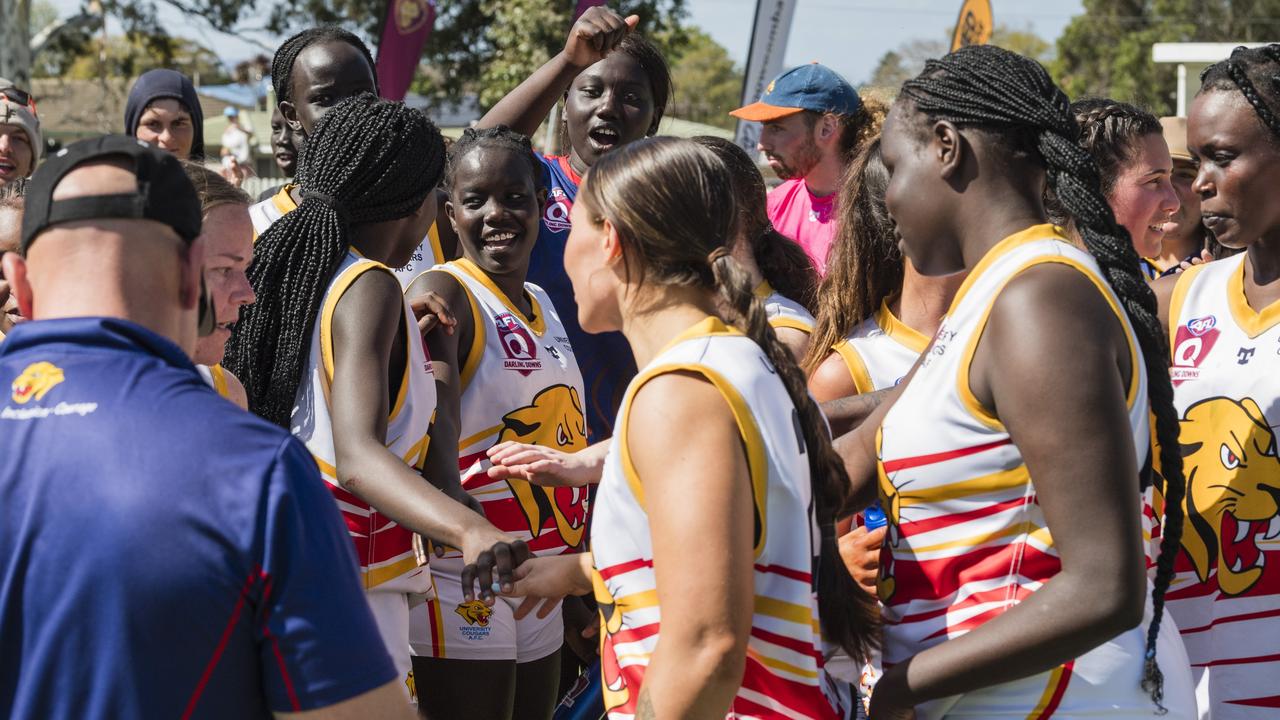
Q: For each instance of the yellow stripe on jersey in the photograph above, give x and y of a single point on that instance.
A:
(757, 461)
(971, 542)
(1002, 480)
(538, 324)
(1030, 235)
(1180, 289)
(433, 237)
(779, 321)
(857, 368)
(469, 441)
(1050, 690)
(780, 665)
(904, 334)
(219, 376)
(1252, 322)
(782, 610)
(967, 398)
(340, 287)
(374, 577)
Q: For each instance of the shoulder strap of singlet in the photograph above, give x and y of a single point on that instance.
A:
(1179, 297)
(474, 353)
(857, 366)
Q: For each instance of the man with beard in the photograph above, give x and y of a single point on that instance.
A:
(813, 121)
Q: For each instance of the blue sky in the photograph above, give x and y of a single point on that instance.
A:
(848, 35)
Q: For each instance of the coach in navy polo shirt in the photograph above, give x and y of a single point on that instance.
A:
(162, 553)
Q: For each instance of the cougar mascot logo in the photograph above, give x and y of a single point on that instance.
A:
(554, 419)
(1233, 485)
(890, 503)
(616, 693)
(474, 612)
(36, 382)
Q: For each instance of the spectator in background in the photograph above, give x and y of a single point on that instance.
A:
(10, 234)
(286, 145)
(20, 141)
(163, 110)
(814, 122)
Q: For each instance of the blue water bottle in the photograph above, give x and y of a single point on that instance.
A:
(873, 517)
(585, 700)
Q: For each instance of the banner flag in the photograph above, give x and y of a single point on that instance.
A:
(407, 26)
(764, 61)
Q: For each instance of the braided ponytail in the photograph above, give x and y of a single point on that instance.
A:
(672, 202)
(998, 91)
(368, 161)
(1255, 72)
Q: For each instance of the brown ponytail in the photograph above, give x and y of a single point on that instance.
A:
(672, 203)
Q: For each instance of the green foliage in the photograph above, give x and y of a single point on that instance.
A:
(908, 59)
(708, 85)
(90, 58)
(1107, 50)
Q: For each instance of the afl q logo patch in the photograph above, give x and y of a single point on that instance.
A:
(411, 15)
(517, 345)
(556, 216)
(1191, 345)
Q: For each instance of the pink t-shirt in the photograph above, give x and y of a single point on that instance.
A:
(804, 217)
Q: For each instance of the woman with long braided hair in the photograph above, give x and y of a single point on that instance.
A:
(721, 477)
(1223, 320)
(779, 268)
(1011, 461)
(332, 352)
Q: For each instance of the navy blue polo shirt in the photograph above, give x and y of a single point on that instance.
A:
(163, 553)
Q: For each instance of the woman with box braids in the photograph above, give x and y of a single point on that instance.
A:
(368, 161)
(970, 146)
(289, 50)
(1228, 602)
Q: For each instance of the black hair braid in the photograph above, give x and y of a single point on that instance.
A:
(287, 53)
(496, 136)
(994, 89)
(849, 615)
(369, 160)
(782, 262)
(1246, 69)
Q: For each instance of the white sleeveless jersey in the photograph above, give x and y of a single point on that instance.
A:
(520, 382)
(1226, 593)
(784, 675)
(967, 539)
(385, 551)
(215, 377)
(880, 351)
(427, 254)
(784, 312)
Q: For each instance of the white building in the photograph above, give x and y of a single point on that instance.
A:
(1192, 58)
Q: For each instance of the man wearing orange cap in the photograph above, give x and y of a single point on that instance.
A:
(811, 118)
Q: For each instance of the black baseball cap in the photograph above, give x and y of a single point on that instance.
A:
(165, 193)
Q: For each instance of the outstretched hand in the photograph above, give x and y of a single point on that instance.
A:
(491, 562)
(597, 33)
(543, 582)
(431, 311)
(542, 465)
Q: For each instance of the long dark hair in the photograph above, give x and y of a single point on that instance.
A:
(1011, 96)
(782, 262)
(368, 161)
(865, 264)
(672, 203)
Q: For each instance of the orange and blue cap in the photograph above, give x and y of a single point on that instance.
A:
(814, 87)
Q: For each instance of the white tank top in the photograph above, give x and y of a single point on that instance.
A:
(520, 382)
(967, 540)
(784, 659)
(384, 550)
(880, 351)
(1225, 596)
(784, 312)
(427, 254)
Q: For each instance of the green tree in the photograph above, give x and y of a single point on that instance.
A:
(121, 56)
(908, 59)
(707, 83)
(1106, 51)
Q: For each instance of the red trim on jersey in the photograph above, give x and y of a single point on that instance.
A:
(567, 167)
(1239, 661)
(916, 527)
(1231, 619)
(615, 570)
(789, 643)
(935, 458)
(786, 572)
(1266, 702)
(1058, 692)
